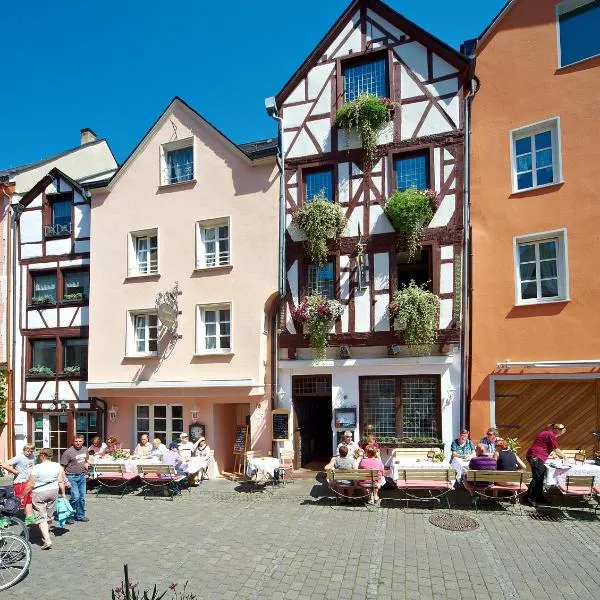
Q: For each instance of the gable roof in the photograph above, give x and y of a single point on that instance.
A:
(445, 51)
(45, 181)
(178, 102)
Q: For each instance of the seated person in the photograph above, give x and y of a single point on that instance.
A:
(353, 448)
(489, 441)
(342, 461)
(483, 461)
(462, 447)
(370, 461)
(507, 459)
(186, 448)
(370, 441)
(144, 448)
(201, 448)
(98, 447)
(172, 457)
(158, 448)
(112, 443)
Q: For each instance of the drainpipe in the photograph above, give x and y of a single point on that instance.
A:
(466, 252)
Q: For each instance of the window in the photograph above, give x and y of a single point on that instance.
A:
(541, 267)
(145, 333)
(76, 285)
(365, 78)
(213, 244)
(536, 155)
(143, 253)
(43, 289)
(321, 280)
(43, 357)
(160, 421)
(86, 424)
(60, 215)
(412, 172)
(177, 160)
(76, 355)
(317, 183)
(214, 329)
(418, 268)
(578, 27)
(401, 406)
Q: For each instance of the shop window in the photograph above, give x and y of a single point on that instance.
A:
(164, 421)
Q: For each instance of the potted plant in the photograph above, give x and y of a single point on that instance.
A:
(513, 444)
(322, 222)
(73, 370)
(43, 299)
(74, 297)
(40, 370)
(410, 212)
(399, 442)
(318, 314)
(414, 310)
(367, 115)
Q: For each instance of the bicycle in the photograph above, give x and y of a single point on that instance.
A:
(15, 551)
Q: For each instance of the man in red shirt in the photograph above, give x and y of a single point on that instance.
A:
(544, 443)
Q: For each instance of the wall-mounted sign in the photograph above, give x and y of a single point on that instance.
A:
(167, 308)
(345, 418)
(281, 425)
(196, 431)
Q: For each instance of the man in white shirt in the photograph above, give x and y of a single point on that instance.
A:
(349, 443)
(144, 448)
(186, 448)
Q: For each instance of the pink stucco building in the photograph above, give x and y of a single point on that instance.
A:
(187, 208)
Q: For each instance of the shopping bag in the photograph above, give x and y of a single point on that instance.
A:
(64, 511)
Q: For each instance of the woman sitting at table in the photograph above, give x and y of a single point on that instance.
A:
(98, 447)
(112, 443)
(370, 461)
(482, 460)
(158, 448)
(342, 461)
(463, 447)
(507, 459)
(370, 441)
(172, 457)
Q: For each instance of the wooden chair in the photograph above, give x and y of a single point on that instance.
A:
(112, 478)
(161, 477)
(582, 487)
(341, 481)
(286, 458)
(438, 483)
(489, 484)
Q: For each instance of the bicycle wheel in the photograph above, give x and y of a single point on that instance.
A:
(15, 526)
(15, 556)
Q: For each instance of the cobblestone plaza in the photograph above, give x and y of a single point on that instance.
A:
(231, 544)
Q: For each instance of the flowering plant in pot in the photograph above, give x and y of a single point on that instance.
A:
(318, 314)
(410, 211)
(366, 114)
(322, 222)
(415, 310)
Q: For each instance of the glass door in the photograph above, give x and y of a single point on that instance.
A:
(50, 431)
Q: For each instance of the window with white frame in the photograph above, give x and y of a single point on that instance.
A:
(541, 267)
(214, 329)
(177, 161)
(214, 248)
(143, 252)
(578, 23)
(144, 333)
(164, 421)
(536, 159)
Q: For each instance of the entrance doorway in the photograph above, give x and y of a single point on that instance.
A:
(50, 431)
(312, 418)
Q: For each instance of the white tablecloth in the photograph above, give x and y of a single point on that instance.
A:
(131, 465)
(261, 467)
(556, 475)
(460, 465)
(422, 464)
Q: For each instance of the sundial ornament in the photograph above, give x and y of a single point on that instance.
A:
(167, 308)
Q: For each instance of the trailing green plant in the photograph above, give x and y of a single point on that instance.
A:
(73, 370)
(318, 314)
(40, 370)
(415, 310)
(457, 305)
(404, 441)
(3, 394)
(513, 443)
(439, 457)
(73, 297)
(45, 299)
(410, 212)
(367, 114)
(322, 222)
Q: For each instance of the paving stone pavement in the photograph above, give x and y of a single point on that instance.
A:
(232, 544)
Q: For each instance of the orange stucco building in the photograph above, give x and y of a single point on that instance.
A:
(535, 210)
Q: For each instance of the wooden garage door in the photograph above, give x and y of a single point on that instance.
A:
(525, 407)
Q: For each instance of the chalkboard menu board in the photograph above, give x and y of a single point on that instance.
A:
(241, 439)
(281, 425)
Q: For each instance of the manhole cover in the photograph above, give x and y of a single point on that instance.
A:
(454, 522)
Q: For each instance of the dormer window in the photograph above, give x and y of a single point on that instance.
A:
(61, 221)
(177, 162)
(366, 78)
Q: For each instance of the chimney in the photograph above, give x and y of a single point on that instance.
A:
(87, 136)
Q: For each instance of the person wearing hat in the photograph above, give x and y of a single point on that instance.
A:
(45, 481)
(537, 455)
(202, 450)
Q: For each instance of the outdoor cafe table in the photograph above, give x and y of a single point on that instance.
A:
(263, 467)
(131, 464)
(557, 473)
(423, 464)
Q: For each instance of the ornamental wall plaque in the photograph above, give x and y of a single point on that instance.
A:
(167, 309)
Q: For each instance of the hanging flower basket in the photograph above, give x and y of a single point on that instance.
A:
(367, 114)
(318, 315)
(410, 212)
(322, 222)
(414, 310)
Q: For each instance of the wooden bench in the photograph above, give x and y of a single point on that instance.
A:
(112, 477)
(489, 484)
(582, 487)
(437, 482)
(161, 477)
(341, 481)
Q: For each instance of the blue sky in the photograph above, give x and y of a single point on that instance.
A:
(114, 66)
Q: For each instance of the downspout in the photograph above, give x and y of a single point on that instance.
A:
(466, 251)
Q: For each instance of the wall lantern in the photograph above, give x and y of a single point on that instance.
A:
(64, 405)
(112, 413)
(195, 413)
(280, 395)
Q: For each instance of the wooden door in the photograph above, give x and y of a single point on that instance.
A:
(525, 407)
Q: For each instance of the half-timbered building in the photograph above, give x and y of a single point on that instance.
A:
(367, 373)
